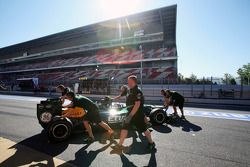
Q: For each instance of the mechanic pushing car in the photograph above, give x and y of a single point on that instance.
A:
(174, 98)
(92, 115)
(63, 90)
(135, 116)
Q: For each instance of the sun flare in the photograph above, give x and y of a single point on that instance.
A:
(117, 8)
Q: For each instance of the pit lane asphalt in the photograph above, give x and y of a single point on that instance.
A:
(196, 142)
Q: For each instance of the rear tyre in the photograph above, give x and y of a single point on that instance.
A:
(158, 116)
(59, 129)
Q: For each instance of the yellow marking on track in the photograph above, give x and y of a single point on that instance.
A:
(13, 154)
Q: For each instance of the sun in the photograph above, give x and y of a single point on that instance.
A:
(118, 8)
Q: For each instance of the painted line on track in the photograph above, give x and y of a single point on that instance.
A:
(22, 98)
(211, 114)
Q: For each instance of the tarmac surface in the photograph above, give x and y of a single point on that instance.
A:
(222, 139)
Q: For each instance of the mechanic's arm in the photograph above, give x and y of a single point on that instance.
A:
(62, 98)
(166, 101)
(135, 108)
(117, 97)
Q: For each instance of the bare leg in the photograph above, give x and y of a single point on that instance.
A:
(123, 135)
(148, 135)
(106, 127)
(146, 119)
(88, 129)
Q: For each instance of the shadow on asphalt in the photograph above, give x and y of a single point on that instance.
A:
(40, 143)
(138, 147)
(185, 125)
(85, 158)
(162, 128)
(37, 142)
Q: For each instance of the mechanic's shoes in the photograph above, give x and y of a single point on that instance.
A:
(111, 135)
(89, 140)
(183, 117)
(117, 147)
(151, 146)
(175, 114)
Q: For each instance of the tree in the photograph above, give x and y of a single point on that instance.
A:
(228, 79)
(244, 74)
(193, 78)
(233, 81)
(180, 78)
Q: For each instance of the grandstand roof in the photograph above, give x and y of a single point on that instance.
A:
(148, 26)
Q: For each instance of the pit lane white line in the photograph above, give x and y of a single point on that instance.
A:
(23, 98)
(211, 114)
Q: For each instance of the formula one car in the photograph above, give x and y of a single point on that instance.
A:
(59, 128)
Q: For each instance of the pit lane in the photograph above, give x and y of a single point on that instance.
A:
(199, 141)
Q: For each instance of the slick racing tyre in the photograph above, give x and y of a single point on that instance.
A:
(158, 116)
(59, 129)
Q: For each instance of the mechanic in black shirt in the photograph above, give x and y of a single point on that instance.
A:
(92, 115)
(63, 90)
(135, 116)
(174, 98)
(124, 93)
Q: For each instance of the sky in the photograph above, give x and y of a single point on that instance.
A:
(213, 36)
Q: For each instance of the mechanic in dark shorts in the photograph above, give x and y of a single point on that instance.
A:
(92, 115)
(135, 116)
(124, 92)
(174, 98)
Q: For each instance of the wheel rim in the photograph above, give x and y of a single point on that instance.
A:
(159, 118)
(60, 131)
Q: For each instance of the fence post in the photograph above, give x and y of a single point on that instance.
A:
(203, 86)
(241, 88)
(192, 89)
(211, 89)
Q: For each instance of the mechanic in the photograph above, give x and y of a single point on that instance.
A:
(125, 92)
(63, 90)
(174, 98)
(92, 115)
(135, 116)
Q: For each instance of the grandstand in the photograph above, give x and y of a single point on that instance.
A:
(110, 50)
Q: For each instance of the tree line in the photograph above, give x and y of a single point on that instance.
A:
(227, 79)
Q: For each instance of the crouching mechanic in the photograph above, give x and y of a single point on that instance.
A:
(92, 114)
(63, 90)
(135, 116)
(174, 98)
